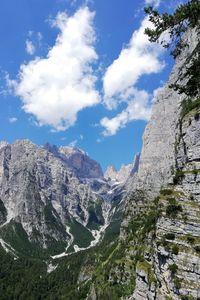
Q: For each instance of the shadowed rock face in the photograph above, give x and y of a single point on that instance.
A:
(77, 160)
(84, 166)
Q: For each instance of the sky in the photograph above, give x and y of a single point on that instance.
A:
(80, 73)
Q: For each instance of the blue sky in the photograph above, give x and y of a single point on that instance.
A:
(79, 73)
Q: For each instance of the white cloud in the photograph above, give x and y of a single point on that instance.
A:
(73, 143)
(138, 108)
(138, 58)
(12, 120)
(30, 48)
(39, 36)
(54, 89)
(154, 3)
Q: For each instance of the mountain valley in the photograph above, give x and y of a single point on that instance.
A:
(69, 231)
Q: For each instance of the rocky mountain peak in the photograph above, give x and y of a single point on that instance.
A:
(77, 161)
(110, 173)
(71, 150)
(3, 144)
(124, 172)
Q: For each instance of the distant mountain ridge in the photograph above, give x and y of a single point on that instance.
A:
(56, 196)
(124, 172)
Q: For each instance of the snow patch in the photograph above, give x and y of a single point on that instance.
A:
(69, 244)
(51, 268)
(97, 234)
(8, 248)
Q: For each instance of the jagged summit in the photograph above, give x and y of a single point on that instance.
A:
(67, 150)
(3, 144)
(124, 173)
(111, 172)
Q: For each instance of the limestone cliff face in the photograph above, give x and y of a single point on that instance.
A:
(170, 162)
(188, 153)
(157, 159)
(158, 255)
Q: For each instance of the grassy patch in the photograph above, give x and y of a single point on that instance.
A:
(173, 208)
(173, 269)
(166, 192)
(147, 267)
(179, 175)
(188, 105)
(187, 297)
(175, 249)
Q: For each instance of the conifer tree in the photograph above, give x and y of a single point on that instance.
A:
(185, 16)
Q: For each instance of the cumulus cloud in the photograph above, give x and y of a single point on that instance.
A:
(138, 108)
(138, 58)
(30, 48)
(12, 120)
(54, 89)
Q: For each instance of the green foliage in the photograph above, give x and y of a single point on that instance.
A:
(179, 175)
(95, 215)
(187, 297)
(190, 239)
(173, 208)
(15, 235)
(177, 282)
(197, 248)
(2, 208)
(112, 231)
(52, 219)
(146, 222)
(187, 105)
(192, 88)
(168, 298)
(166, 192)
(175, 249)
(169, 236)
(26, 278)
(185, 16)
(82, 236)
(173, 269)
(110, 292)
(116, 274)
(165, 244)
(3, 212)
(147, 267)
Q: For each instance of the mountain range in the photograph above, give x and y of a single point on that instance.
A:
(68, 231)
